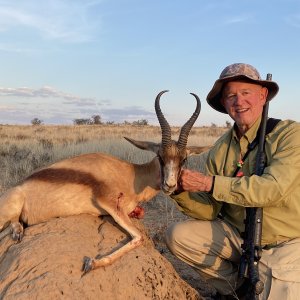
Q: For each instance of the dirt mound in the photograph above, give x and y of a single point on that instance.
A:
(47, 264)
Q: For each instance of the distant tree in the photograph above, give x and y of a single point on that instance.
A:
(36, 121)
(141, 122)
(213, 125)
(96, 120)
(82, 121)
(110, 122)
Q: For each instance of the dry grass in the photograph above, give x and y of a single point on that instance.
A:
(26, 148)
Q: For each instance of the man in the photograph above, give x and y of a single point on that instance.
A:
(211, 241)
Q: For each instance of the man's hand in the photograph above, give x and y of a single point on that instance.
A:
(193, 181)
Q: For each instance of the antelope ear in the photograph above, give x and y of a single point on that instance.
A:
(144, 145)
(192, 150)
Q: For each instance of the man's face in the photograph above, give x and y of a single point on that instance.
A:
(244, 102)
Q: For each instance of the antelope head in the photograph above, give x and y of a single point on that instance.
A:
(171, 154)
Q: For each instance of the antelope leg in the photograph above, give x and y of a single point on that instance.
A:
(124, 221)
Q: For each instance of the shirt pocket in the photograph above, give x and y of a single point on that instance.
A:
(285, 282)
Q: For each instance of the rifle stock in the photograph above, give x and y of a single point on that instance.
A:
(251, 247)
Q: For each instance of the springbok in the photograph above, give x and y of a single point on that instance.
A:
(99, 184)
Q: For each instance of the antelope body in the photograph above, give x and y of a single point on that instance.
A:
(99, 184)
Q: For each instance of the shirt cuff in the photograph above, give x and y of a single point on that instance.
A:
(222, 188)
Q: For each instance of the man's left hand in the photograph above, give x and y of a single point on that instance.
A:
(193, 181)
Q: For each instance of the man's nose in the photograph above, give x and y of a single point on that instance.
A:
(238, 98)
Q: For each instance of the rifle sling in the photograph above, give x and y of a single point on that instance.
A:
(271, 123)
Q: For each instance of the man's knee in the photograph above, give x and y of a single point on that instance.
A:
(181, 237)
(172, 236)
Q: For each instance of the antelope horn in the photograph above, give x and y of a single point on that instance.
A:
(164, 125)
(186, 128)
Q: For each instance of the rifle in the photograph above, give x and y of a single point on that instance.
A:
(251, 247)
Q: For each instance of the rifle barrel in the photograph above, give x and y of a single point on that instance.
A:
(254, 216)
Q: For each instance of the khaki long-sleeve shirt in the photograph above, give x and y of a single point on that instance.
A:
(277, 191)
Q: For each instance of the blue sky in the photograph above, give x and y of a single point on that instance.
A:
(68, 59)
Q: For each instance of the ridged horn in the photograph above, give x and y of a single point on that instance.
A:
(186, 128)
(164, 125)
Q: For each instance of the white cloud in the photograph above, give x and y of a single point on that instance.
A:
(66, 20)
(57, 107)
(17, 49)
(238, 19)
(6, 107)
(43, 92)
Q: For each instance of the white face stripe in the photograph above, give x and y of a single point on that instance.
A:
(171, 171)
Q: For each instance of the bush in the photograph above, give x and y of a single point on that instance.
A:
(36, 121)
(141, 122)
(82, 121)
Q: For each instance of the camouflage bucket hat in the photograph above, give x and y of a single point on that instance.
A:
(235, 72)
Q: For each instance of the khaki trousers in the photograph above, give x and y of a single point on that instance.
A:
(213, 248)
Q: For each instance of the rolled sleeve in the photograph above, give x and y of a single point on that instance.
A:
(198, 205)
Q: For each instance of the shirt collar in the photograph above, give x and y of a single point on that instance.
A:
(250, 134)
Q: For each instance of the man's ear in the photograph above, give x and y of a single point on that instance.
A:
(264, 94)
(193, 150)
(144, 145)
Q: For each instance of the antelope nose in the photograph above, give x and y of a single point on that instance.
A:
(170, 186)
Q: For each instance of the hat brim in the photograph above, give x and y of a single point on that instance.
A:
(215, 95)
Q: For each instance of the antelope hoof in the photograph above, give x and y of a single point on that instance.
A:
(17, 232)
(88, 265)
